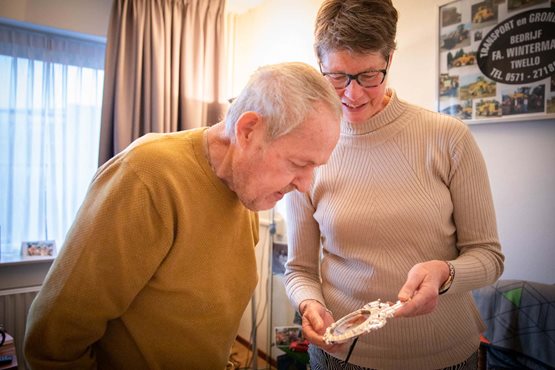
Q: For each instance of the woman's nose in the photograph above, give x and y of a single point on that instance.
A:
(353, 91)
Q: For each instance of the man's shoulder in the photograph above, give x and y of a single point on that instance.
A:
(163, 147)
(153, 142)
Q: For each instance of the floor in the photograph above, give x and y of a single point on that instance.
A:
(241, 356)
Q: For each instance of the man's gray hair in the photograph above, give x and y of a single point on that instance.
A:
(284, 95)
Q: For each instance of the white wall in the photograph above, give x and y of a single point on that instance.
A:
(274, 31)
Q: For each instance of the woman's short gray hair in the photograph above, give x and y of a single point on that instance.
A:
(284, 95)
(359, 26)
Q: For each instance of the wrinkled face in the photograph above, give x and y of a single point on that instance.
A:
(263, 171)
(359, 103)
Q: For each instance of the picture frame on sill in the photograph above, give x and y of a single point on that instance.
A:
(495, 60)
(41, 248)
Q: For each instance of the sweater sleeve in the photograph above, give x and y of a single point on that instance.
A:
(480, 261)
(301, 278)
(113, 248)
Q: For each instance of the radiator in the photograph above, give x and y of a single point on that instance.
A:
(14, 305)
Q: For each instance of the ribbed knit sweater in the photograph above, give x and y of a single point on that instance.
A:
(156, 271)
(407, 186)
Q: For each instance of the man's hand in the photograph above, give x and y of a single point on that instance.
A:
(421, 289)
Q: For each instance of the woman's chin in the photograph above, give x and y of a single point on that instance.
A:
(358, 115)
(355, 117)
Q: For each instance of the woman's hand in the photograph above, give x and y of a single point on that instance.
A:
(421, 290)
(316, 318)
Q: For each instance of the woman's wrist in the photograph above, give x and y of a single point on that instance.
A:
(304, 305)
(447, 284)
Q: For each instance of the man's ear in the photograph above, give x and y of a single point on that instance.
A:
(248, 125)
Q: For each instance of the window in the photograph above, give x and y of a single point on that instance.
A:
(50, 108)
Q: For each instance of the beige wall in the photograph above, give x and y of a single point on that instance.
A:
(274, 31)
(278, 31)
(83, 16)
(414, 65)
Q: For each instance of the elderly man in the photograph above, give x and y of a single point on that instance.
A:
(159, 265)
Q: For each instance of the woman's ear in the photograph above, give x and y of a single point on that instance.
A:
(248, 126)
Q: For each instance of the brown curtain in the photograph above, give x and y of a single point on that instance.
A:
(164, 69)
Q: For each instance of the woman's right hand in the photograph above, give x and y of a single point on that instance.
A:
(316, 318)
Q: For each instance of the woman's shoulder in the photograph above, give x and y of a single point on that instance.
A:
(427, 117)
(440, 122)
(432, 128)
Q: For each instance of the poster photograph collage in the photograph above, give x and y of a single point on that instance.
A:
(497, 60)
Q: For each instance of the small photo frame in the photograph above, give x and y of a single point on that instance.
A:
(285, 335)
(279, 257)
(41, 248)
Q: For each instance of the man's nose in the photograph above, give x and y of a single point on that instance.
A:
(303, 180)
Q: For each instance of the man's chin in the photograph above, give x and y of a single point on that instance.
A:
(257, 205)
(262, 206)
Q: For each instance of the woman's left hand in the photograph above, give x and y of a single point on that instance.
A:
(421, 290)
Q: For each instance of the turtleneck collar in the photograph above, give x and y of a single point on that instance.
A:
(389, 114)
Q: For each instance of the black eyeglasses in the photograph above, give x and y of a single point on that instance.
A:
(369, 78)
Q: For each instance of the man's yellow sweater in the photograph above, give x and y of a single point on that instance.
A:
(155, 272)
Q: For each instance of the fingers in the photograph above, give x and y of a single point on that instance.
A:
(415, 278)
(422, 302)
(316, 319)
(408, 290)
(315, 322)
(335, 348)
(420, 291)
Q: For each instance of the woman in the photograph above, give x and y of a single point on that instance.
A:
(402, 211)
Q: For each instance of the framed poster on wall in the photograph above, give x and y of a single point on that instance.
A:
(497, 60)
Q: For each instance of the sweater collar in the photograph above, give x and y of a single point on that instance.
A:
(390, 113)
